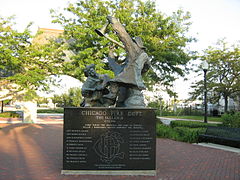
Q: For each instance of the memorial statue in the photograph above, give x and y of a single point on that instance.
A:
(125, 89)
(94, 88)
(117, 68)
(106, 148)
(137, 64)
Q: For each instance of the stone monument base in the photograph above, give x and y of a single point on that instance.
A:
(114, 172)
(109, 141)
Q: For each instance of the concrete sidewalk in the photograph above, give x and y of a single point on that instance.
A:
(222, 147)
(34, 152)
(167, 120)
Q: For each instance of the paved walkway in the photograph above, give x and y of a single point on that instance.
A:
(167, 120)
(47, 118)
(42, 118)
(34, 152)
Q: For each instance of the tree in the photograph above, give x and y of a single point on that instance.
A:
(223, 78)
(24, 65)
(57, 100)
(42, 100)
(165, 37)
(72, 98)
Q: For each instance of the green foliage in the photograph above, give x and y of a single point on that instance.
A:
(189, 134)
(184, 134)
(58, 100)
(231, 120)
(161, 107)
(223, 77)
(25, 65)
(164, 36)
(12, 47)
(72, 98)
(42, 100)
(170, 109)
(7, 101)
(58, 110)
(190, 124)
(164, 131)
(159, 122)
(187, 111)
(9, 115)
(165, 110)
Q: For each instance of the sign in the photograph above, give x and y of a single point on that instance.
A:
(109, 139)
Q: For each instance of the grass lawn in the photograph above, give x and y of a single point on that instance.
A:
(216, 119)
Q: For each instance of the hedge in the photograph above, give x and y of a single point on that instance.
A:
(59, 110)
(184, 134)
(231, 120)
(164, 131)
(189, 134)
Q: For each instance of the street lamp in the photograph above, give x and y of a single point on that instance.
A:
(205, 68)
(2, 107)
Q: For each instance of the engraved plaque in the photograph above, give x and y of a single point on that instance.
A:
(109, 139)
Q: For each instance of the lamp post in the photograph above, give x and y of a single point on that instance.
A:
(2, 107)
(205, 68)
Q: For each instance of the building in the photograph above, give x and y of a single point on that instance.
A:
(44, 35)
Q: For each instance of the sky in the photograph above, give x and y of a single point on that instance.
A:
(211, 20)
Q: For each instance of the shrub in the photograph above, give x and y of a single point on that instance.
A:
(184, 134)
(231, 120)
(190, 124)
(189, 134)
(159, 122)
(164, 131)
(9, 115)
(50, 110)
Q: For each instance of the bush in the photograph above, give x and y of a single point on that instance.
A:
(50, 110)
(184, 134)
(190, 124)
(189, 134)
(159, 122)
(231, 120)
(9, 115)
(164, 131)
